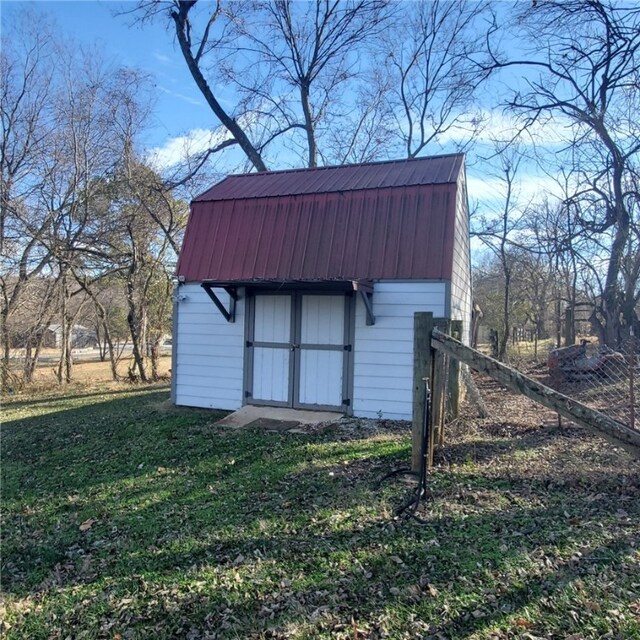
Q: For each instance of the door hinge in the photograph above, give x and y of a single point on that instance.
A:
(347, 347)
(346, 402)
(248, 343)
(247, 394)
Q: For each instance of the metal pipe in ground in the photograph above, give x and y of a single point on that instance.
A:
(632, 392)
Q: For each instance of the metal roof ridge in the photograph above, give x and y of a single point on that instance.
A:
(328, 167)
(301, 194)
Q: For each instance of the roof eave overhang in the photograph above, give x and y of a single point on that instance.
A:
(362, 287)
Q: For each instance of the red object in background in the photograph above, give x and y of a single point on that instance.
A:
(579, 360)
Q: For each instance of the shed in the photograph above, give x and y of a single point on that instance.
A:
(298, 288)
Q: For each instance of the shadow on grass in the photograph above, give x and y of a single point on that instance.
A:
(381, 570)
(279, 529)
(487, 446)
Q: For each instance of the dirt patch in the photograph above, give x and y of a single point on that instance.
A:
(269, 424)
(349, 428)
(519, 433)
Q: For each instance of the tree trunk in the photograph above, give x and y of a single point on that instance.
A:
(155, 358)
(108, 348)
(181, 19)
(64, 343)
(102, 343)
(506, 319)
(6, 347)
(309, 125)
(135, 328)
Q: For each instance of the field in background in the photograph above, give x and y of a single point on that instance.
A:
(127, 518)
(87, 371)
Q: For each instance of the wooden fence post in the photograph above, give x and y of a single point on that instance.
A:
(422, 327)
(436, 404)
(439, 392)
(454, 375)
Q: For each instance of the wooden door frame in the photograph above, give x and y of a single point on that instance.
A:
(296, 295)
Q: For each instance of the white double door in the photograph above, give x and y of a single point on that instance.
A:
(298, 350)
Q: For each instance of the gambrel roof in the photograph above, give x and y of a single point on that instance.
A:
(383, 220)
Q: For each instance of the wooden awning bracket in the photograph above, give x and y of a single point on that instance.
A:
(365, 289)
(230, 315)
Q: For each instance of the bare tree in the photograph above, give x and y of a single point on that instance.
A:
(436, 61)
(25, 85)
(583, 72)
(291, 66)
(499, 232)
(313, 48)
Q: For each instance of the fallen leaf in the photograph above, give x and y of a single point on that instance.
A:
(87, 524)
(521, 622)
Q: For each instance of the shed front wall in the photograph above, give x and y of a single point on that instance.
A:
(383, 352)
(209, 351)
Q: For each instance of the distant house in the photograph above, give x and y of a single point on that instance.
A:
(81, 337)
(298, 288)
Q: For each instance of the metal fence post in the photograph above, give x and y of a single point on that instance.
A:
(632, 391)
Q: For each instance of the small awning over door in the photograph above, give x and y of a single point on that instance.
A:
(364, 288)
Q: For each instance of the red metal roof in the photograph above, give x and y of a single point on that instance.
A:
(381, 220)
(354, 177)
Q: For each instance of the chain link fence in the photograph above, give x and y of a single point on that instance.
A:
(604, 379)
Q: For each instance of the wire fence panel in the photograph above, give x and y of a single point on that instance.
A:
(602, 378)
(593, 368)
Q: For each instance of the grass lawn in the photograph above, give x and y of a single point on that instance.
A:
(126, 518)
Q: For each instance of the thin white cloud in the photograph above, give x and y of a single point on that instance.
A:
(179, 148)
(181, 96)
(490, 191)
(501, 126)
(163, 59)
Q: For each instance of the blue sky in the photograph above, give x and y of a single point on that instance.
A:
(181, 110)
(151, 48)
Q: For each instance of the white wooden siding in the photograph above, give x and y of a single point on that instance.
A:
(271, 364)
(383, 352)
(209, 351)
(272, 318)
(320, 375)
(461, 271)
(270, 374)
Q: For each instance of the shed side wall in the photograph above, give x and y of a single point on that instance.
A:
(383, 352)
(210, 351)
(461, 271)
